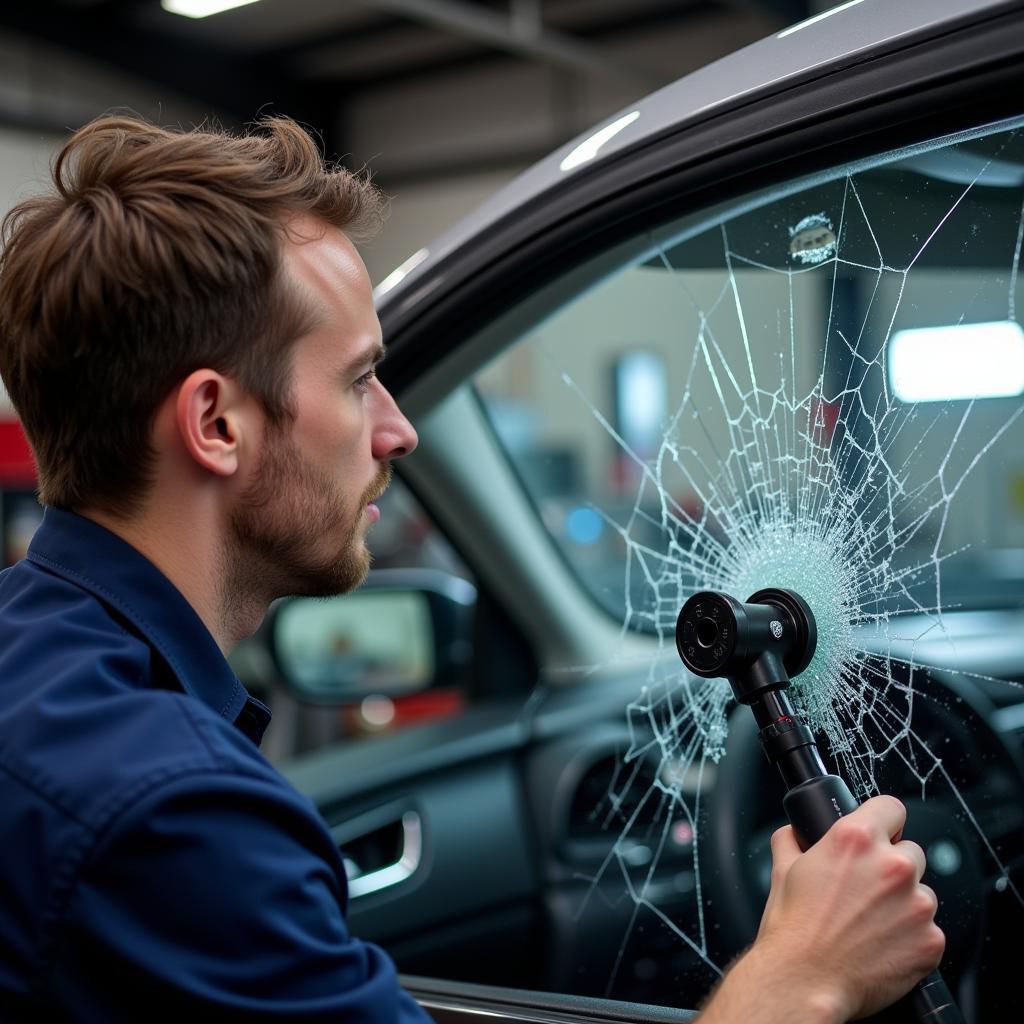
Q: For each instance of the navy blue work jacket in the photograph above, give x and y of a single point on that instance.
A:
(154, 865)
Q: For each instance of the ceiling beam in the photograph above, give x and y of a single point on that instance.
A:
(605, 23)
(520, 33)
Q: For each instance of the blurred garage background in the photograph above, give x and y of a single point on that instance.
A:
(444, 100)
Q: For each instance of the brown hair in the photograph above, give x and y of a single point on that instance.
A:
(157, 252)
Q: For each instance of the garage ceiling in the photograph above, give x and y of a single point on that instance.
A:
(321, 61)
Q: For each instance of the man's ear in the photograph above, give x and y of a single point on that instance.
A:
(210, 415)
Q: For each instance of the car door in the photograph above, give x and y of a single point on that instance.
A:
(640, 372)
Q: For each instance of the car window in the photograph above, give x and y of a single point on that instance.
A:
(817, 387)
(824, 381)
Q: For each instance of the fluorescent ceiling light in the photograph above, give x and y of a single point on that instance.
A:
(933, 364)
(588, 148)
(201, 8)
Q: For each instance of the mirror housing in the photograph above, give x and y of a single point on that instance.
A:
(404, 631)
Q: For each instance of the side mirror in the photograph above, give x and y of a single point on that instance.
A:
(402, 632)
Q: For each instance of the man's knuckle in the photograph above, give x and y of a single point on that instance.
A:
(933, 899)
(924, 904)
(897, 871)
(894, 802)
(852, 836)
(914, 849)
(935, 944)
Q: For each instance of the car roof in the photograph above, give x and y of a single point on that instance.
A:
(847, 34)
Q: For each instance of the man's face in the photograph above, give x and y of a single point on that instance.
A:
(302, 517)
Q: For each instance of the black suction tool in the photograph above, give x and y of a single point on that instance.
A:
(758, 647)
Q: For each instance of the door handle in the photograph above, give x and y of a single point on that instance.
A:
(362, 882)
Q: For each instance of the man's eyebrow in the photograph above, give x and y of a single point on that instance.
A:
(371, 357)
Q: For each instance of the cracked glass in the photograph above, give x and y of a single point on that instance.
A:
(820, 388)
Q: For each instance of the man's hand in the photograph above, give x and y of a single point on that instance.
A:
(848, 927)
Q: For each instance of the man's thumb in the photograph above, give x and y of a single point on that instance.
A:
(785, 850)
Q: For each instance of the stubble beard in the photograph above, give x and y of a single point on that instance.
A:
(276, 543)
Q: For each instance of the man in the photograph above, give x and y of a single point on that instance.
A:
(188, 335)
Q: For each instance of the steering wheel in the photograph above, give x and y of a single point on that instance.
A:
(951, 716)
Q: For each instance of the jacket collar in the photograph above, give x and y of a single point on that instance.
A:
(93, 558)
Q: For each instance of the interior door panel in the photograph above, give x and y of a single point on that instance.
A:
(435, 832)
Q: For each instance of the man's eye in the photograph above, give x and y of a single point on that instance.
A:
(363, 383)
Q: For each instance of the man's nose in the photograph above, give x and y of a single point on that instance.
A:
(393, 435)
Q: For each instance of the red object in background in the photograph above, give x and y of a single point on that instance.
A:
(17, 467)
(444, 702)
(421, 707)
(824, 417)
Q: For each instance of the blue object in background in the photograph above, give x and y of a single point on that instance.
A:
(583, 525)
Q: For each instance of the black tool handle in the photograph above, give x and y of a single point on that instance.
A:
(813, 807)
(816, 805)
